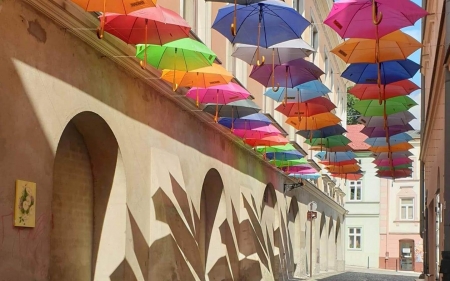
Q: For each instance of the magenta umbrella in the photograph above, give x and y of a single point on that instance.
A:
(221, 94)
(298, 168)
(300, 172)
(395, 161)
(288, 74)
(372, 19)
(257, 133)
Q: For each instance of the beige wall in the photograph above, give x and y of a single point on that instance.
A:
(173, 196)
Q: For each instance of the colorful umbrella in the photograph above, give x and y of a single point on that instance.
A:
(393, 46)
(402, 173)
(378, 132)
(237, 109)
(204, 77)
(257, 133)
(286, 163)
(280, 53)
(253, 24)
(340, 148)
(295, 94)
(393, 105)
(298, 168)
(313, 122)
(306, 109)
(323, 132)
(276, 148)
(341, 163)
(290, 170)
(289, 74)
(337, 140)
(336, 156)
(155, 25)
(391, 71)
(400, 118)
(397, 162)
(249, 122)
(392, 148)
(348, 176)
(381, 141)
(360, 18)
(267, 141)
(343, 169)
(184, 54)
(286, 155)
(314, 176)
(371, 91)
(221, 94)
(392, 155)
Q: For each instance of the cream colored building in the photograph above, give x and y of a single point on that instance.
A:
(133, 181)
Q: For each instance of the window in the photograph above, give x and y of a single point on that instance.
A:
(355, 190)
(407, 208)
(314, 39)
(298, 5)
(354, 235)
(327, 65)
(190, 13)
(332, 81)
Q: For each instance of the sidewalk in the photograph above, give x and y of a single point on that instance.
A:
(348, 269)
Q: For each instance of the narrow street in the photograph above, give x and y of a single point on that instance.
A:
(363, 274)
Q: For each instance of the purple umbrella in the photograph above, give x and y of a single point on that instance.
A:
(393, 155)
(395, 161)
(298, 168)
(378, 132)
(288, 74)
(399, 118)
(372, 19)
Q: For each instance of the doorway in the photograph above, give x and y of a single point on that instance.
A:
(406, 255)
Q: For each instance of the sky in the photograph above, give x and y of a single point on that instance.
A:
(415, 31)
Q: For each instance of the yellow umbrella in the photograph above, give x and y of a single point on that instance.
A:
(113, 6)
(394, 46)
(314, 122)
(343, 169)
(392, 148)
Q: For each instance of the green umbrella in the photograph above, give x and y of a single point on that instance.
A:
(286, 163)
(329, 142)
(184, 54)
(393, 105)
(275, 148)
(388, 168)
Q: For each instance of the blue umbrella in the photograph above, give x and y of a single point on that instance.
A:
(335, 156)
(391, 71)
(322, 133)
(286, 155)
(306, 177)
(248, 122)
(399, 138)
(261, 24)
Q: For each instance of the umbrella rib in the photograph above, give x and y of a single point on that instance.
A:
(354, 15)
(157, 31)
(185, 61)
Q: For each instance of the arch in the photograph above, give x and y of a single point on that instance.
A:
(323, 247)
(88, 202)
(270, 224)
(331, 245)
(294, 228)
(339, 254)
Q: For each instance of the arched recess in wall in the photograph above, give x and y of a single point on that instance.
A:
(339, 248)
(331, 245)
(294, 235)
(88, 203)
(214, 233)
(270, 224)
(323, 258)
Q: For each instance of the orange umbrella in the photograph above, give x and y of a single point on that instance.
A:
(343, 169)
(305, 109)
(267, 141)
(350, 176)
(393, 148)
(313, 122)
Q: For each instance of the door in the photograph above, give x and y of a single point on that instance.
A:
(406, 255)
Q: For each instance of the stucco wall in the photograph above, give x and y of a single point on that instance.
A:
(150, 160)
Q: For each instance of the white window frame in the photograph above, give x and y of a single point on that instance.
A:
(355, 185)
(352, 234)
(407, 206)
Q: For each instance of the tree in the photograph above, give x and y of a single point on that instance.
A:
(352, 114)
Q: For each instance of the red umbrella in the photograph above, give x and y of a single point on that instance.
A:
(349, 176)
(400, 173)
(341, 163)
(308, 108)
(267, 141)
(371, 91)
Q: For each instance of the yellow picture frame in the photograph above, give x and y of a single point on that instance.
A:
(25, 204)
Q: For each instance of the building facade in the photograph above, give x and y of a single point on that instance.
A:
(133, 181)
(434, 152)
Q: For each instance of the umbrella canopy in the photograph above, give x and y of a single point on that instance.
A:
(155, 25)
(237, 109)
(289, 74)
(339, 148)
(393, 105)
(291, 170)
(267, 141)
(337, 140)
(293, 94)
(297, 168)
(400, 118)
(201, 77)
(395, 161)
(314, 176)
(286, 155)
(391, 71)
(354, 18)
(336, 156)
(240, 2)
(341, 163)
(221, 94)
(343, 169)
(392, 155)
(257, 133)
(390, 168)
(114, 6)
(323, 132)
(348, 176)
(401, 173)
(393, 148)
(313, 122)
(184, 54)
(286, 163)
(254, 23)
(379, 132)
(249, 122)
(276, 148)
(309, 108)
(279, 53)
(371, 91)
(381, 141)
(393, 46)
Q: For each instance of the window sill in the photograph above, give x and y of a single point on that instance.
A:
(356, 250)
(406, 221)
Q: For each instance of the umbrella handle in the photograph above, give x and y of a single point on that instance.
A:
(174, 84)
(101, 28)
(376, 17)
(263, 59)
(233, 25)
(144, 63)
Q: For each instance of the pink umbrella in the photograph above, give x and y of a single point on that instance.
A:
(221, 94)
(298, 168)
(257, 133)
(372, 19)
(302, 172)
(395, 161)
